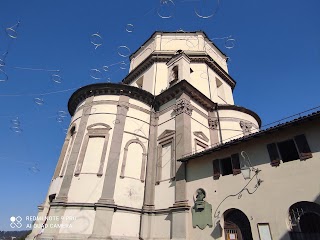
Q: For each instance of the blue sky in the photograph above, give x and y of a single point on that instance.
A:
(275, 62)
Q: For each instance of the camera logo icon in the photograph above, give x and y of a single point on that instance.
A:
(15, 222)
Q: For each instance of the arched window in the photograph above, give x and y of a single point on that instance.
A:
(305, 220)
(237, 225)
(174, 75)
(134, 160)
(66, 150)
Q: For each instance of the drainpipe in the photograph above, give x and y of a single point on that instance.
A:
(220, 134)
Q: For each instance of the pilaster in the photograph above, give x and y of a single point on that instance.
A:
(104, 209)
(183, 111)
(67, 179)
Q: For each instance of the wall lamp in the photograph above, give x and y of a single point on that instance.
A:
(247, 168)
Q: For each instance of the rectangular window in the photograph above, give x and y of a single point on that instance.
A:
(289, 150)
(216, 169)
(93, 155)
(264, 231)
(166, 161)
(226, 166)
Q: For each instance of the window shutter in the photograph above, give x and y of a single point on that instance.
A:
(216, 169)
(273, 154)
(303, 147)
(235, 164)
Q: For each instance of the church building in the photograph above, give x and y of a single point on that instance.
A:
(166, 154)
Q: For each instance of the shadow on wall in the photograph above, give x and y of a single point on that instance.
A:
(217, 231)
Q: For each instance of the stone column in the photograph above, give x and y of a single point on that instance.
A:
(105, 206)
(183, 111)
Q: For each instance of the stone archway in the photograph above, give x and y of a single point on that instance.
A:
(236, 225)
(305, 220)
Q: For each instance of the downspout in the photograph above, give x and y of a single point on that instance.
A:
(220, 133)
(145, 182)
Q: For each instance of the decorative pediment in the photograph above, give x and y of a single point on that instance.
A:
(166, 133)
(98, 129)
(201, 135)
(99, 126)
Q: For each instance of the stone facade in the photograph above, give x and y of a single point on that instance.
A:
(137, 152)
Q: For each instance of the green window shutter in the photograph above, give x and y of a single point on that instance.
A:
(273, 154)
(303, 147)
(216, 169)
(235, 164)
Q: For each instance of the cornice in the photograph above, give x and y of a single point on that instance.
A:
(136, 93)
(241, 109)
(108, 89)
(165, 57)
(184, 87)
(177, 32)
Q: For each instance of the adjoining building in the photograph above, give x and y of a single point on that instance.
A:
(165, 154)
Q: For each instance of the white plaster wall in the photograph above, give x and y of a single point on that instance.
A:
(240, 116)
(139, 104)
(164, 194)
(199, 107)
(165, 118)
(128, 228)
(162, 226)
(199, 78)
(85, 188)
(69, 148)
(215, 55)
(137, 127)
(77, 115)
(139, 115)
(55, 186)
(166, 105)
(282, 186)
(148, 79)
(230, 130)
(93, 154)
(128, 191)
(134, 161)
(166, 161)
(55, 219)
(143, 53)
(228, 95)
(81, 221)
(161, 80)
(100, 113)
(230, 124)
(105, 97)
(196, 126)
(81, 104)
